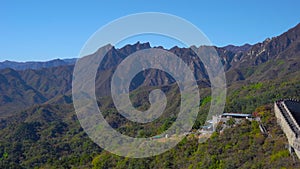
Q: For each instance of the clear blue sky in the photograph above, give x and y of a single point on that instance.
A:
(45, 30)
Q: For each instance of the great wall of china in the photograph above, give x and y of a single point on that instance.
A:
(288, 117)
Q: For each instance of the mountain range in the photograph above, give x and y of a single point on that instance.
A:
(25, 84)
(39, 127)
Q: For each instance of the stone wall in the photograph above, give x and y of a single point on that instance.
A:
(288, 124)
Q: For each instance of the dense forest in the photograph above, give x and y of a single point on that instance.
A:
(50, 136)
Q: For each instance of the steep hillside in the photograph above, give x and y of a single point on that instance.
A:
(23, 89)
(15, 93)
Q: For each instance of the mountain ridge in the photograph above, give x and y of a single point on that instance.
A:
(36, 64)
(245, 50)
